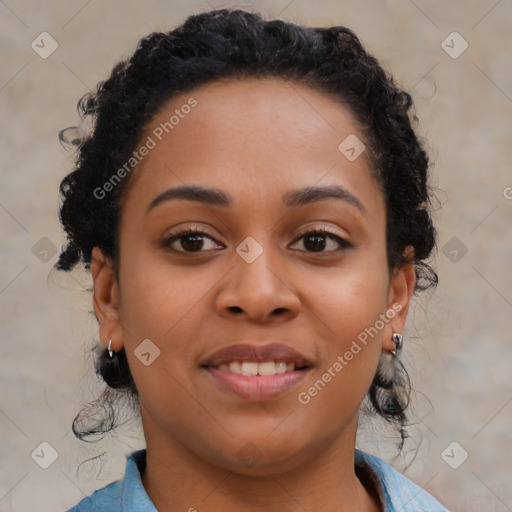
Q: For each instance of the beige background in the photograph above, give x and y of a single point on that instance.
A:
(458, 341)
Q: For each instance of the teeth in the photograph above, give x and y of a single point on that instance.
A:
(281, 367)
(235, 367)
(250, 368)
(267, 368)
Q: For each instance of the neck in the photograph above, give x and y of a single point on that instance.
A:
(176, 479)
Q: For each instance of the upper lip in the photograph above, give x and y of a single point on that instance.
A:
(256, 353)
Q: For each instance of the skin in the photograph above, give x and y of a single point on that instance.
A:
(254, 139)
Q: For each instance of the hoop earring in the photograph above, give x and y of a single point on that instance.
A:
(110, 352)
(398, 340)
(386, 370)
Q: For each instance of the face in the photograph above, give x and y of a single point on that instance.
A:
(284, 270)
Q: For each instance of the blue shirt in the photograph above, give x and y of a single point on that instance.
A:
(397, 493)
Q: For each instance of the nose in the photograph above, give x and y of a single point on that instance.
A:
(260, 291)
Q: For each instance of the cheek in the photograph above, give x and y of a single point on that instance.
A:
(349, 299)
(157, 298)
(162, 305)
(347, 308)
(170, 306)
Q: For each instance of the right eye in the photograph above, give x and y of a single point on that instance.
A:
(191, 240)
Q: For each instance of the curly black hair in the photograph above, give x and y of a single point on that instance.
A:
(224, 44)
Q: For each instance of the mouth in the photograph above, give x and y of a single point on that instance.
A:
(257, 372)
(253, 368)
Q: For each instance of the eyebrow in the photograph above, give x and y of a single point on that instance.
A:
(291, 199)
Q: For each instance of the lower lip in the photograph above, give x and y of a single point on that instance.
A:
(258, 387)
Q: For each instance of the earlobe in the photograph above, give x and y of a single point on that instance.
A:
(401, 290)
(106, 299)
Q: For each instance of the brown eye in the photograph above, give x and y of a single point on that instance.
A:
(190, 240)
(317, 241)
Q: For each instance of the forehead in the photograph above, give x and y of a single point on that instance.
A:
(252, 137)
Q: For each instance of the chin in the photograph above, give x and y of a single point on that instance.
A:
(262, 457)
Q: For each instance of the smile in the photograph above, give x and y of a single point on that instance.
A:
(248, 368)
(256, 372)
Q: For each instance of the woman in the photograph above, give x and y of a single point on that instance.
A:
(252, 203)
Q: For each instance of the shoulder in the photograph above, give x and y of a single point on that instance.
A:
(106, 498)
(125, 495)
(397, 492)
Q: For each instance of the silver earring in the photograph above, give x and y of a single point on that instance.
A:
(386, 369)
(110, 353)
(397, 340)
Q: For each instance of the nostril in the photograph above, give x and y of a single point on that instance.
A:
(235, 309)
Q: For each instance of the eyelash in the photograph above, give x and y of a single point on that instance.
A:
(344, 244)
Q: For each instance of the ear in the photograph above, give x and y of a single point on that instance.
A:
(105, 299)
(400, 293)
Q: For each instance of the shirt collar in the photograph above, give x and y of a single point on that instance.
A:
(395, 492)
(133, 494)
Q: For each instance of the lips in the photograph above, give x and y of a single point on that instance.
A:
(257, 372)
(257, 354)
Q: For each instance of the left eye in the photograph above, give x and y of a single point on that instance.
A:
(316, 241)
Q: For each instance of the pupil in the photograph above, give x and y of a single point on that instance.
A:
(197, 243)
(318, 244)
